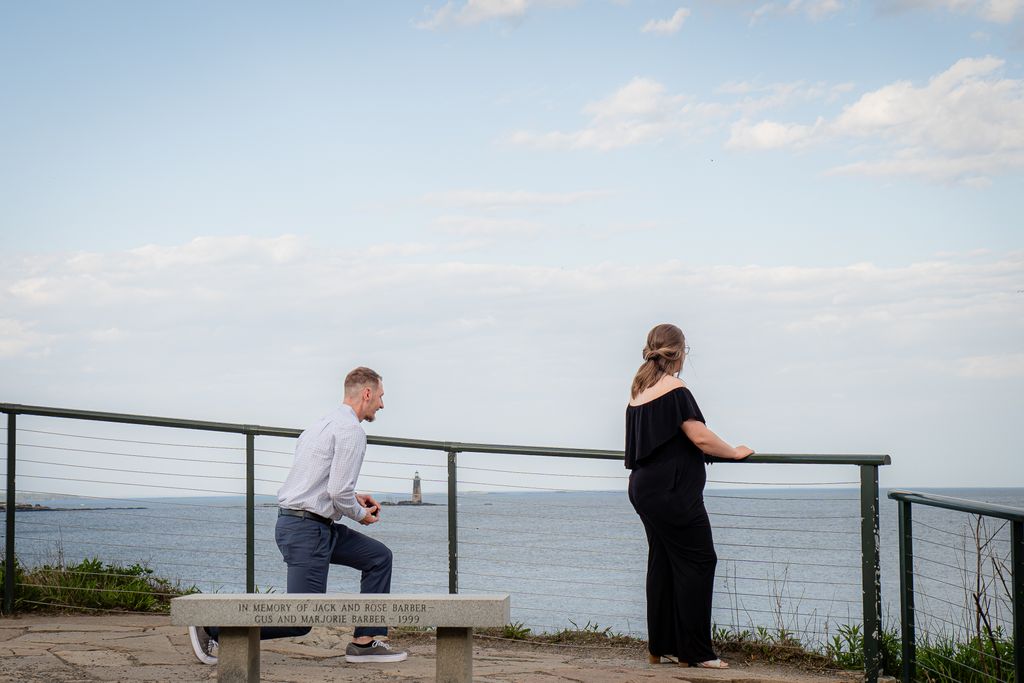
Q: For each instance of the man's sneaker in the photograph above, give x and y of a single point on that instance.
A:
(203, 645)
(377, 651)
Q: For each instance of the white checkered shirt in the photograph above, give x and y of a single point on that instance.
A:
(328, 457)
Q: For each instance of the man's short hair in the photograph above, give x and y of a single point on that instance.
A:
(359, 378)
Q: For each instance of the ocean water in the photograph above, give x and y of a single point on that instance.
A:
(788, 558)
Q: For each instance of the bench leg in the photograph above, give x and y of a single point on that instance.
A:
(454, 655)
(238, 658)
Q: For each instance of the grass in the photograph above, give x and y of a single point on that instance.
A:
(771, 646)
(846, 650)
(979, 660)
(590, 634)
(939, 660)
(92, 585)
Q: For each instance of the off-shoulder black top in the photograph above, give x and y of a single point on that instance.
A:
(654, 436)
(652, 426)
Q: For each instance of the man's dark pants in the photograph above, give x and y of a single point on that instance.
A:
(309, 548)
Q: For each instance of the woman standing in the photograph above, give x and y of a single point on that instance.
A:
(666, 447)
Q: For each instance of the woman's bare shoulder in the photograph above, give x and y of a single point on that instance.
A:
(674, 381)
(666, 384)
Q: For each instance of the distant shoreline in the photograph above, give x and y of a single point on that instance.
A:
(406, 502)
(403, 503)
(36, 507)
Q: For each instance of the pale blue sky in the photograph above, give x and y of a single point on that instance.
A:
(496, 199)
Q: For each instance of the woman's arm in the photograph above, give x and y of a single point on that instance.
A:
(711, 444)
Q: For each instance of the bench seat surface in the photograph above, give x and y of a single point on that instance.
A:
(340, 609)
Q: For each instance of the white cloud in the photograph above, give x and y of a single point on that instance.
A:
(995, 11)
(641, 97)
(759, 96)
(19, 338)
(963, 108)
(667, 27)
(442, 16)
(110, 334)
(115, 297)
(35, 289)
(971, 170)
(966, 124)
(486, 226)
(210, 250)
(252, 337)
(474, 12)
(511, 199)
(768, 135)
(643, 111)
(1001, 366)
(398, 249)
(820, 9)
(640, 111)
(815, 10)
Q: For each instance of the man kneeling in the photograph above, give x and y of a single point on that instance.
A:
(319, 491)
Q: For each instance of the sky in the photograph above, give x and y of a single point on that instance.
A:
(215, 210)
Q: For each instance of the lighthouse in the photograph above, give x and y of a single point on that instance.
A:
(417, 495)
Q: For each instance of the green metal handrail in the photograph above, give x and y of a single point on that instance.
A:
(906, 501)
(867, 464)
(424, 444)
(974, 507)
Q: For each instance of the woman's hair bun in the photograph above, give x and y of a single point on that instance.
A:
(669, 353)
(664, 348)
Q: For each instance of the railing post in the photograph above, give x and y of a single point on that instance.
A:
(453, 524)
(250, 512)
(12, 504)
(871, 571)
(907, 590)
(1017, 559)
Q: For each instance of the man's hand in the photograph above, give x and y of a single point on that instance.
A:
(369, 518)
(371, 506)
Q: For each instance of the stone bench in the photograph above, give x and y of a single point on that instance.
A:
(240, 616)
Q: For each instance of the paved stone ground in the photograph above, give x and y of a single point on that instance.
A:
(80, 649)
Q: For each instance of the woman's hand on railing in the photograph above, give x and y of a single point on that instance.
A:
(742, 452)
(711, 444)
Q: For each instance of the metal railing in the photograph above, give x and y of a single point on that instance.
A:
(911, 614)
(868, 500)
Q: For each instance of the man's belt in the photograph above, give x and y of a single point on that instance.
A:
(305, 514)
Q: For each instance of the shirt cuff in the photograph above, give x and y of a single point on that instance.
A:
(360, 514)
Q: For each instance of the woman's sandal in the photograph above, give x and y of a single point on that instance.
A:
(712, 664)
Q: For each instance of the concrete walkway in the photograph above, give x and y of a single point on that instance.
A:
(76, 649)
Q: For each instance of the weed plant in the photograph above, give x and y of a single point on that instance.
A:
(979, 660)
(846, 649)
(939, 660)
(92, 585)
(587, 635)
(766, 645)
